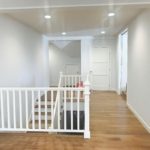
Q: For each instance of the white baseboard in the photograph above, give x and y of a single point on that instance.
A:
(146, 126)
(113, 90)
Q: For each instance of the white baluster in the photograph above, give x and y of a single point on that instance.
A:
(26, 99)
(46, 109)
(86, 109)
(78, 110)
(52, 108)
(71, 110)
(58, 108)
(61, 77)
(68, 81)
(72, 81)
(39, 108)
(8, 109)
(75, 81)
(33, 113)
(65, 111)
(65, 82)
(79, 79)
(20, 108)
(2, 108)
(14, 108)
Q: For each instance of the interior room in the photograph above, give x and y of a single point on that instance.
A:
(74, 74)
(64, 56)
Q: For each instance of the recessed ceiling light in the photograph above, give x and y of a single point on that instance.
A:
(103, 32)
(47, 17)
(111, 14)
(63, 33)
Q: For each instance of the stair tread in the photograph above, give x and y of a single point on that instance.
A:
(42, 113)
(42, 121)
(42, 106)
(36, 110)
(37, 126)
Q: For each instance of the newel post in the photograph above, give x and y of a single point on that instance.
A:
(87, 109)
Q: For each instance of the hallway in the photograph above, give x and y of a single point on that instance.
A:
(113, 127)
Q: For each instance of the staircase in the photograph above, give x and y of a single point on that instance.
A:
(47, 109)
(43, 108)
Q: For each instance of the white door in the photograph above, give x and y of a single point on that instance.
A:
(101, 68)
(72, 69)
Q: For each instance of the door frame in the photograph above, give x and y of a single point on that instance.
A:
(85, 49)
(120, 60)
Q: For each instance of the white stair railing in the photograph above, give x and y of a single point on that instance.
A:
(61, 109)
(74, 99)
(26, 109)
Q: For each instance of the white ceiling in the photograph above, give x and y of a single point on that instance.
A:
(80, 21)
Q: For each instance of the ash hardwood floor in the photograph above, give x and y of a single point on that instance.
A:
(113, 127)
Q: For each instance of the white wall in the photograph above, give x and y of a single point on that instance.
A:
(58, 59)
(86, 49)
(111, 44)
(23, 60)
(139, 67)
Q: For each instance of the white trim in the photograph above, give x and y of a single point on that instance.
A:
(145, 125)
(73, 5)
(4, 130)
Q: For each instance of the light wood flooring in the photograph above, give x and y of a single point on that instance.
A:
(113, 127)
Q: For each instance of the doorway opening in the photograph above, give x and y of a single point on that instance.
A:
(124, 63)
(64, 56)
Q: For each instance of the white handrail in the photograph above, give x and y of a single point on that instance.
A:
(57, 96)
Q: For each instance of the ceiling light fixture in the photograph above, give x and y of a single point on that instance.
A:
(103, 32)
(111, 14)
(47, 17)
(63, 33)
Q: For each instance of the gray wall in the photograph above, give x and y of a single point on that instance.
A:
(139, 68)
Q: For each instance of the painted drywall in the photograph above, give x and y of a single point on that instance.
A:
(111, 44)
(59, 58)
(139, 68)
(23, 60)
(86, 48)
